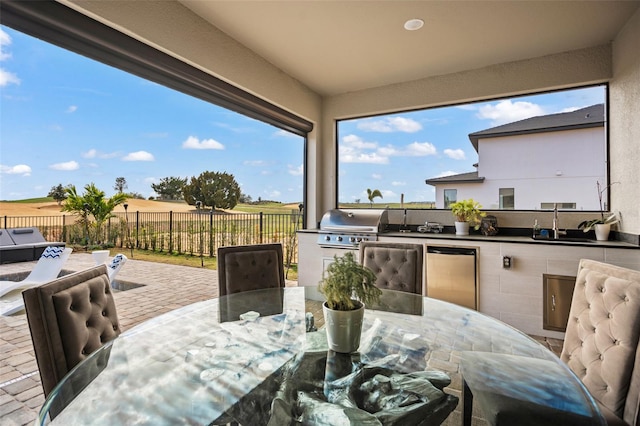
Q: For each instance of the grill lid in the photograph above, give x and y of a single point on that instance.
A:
(354, 220)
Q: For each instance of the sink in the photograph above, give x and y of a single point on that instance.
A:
(564, 238)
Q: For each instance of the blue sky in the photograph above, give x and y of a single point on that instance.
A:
(66, 119)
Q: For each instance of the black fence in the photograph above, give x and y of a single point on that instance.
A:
(197, 233)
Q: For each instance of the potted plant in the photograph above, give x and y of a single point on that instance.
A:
(467, 213)
(347, 286)
(601, 225)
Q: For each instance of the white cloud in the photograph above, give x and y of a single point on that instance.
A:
(150, 180)
(454, 154)
(273, 194)
(357, 142)
(396, 183)
(507, 112)
(296, 170)
(194, 143)
(19, 169)
(347, 156)
(94, 153)
(66, 166)
(254, 163)
(72, 109)
(390, 124)
(376, 176)
(420, 149)
(7, 78)
(5, 40)
(139, 156)
(446, 173)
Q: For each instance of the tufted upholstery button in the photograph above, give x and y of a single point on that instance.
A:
(603, 289)
(601, 357)
(71, 307)
(87, 323)
(104, 313)
(115, 327)
(610, 315)
(626, 298)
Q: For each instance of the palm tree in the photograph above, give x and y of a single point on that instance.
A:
(92, 202)
(371, 194)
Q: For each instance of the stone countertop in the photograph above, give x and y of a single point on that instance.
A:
(518, 239)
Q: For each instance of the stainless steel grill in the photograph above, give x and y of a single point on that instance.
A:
(347, 228)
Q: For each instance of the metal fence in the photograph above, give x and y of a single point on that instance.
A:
(198, 233)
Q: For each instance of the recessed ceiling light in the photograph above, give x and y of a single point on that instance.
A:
(413, 24)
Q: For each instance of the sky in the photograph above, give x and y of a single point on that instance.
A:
(66, 119)
(396, 153)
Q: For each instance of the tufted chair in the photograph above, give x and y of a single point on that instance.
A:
(252, 267)
(601, 341)
(397, 266)
(69, 318)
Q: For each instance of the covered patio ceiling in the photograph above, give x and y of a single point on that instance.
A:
(335, 47)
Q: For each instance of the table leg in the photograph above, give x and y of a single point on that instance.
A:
(467, 404)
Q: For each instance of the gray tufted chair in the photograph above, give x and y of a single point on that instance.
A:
(69, 318)
(251, 267)
(398, 266)
(601, 341)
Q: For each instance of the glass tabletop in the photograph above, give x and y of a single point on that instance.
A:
(228, 358)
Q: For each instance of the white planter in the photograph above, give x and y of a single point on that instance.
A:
(462, 228)
(343, 328)
(602, 231)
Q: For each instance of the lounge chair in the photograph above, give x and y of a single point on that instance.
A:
(115, 265)
(47, 269)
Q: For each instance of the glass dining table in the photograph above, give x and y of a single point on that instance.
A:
(256, 358)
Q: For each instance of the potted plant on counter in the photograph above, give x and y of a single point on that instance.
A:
(347, 286)
(601, 225)
(467, 213)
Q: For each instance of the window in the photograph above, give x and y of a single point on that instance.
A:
(547, 147)
(562, 206)
(507, 198)
(450, 196)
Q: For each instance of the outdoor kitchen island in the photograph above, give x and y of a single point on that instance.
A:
(513, 295)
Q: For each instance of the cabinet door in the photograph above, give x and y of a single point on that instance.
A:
(558, 291)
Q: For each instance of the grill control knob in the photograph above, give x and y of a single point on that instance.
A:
(327, 238)
(338, 238)
(352, 239)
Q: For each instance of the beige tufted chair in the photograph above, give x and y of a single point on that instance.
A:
(69, 318)
(397, 266)
(601, 341)
(251, 267)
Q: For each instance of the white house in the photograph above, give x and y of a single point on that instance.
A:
(533, 163)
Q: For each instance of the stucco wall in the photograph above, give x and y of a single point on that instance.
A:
(625, 125)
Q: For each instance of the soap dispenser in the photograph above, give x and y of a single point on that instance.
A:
(536, 229)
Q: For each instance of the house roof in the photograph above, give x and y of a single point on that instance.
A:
(592, 116)
(470, 177)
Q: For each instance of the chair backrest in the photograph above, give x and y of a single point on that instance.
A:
(251, 267)
(50, 264)
(115, 265)
(26, 235)
(69, 318)
(601, 340)
(397, 266)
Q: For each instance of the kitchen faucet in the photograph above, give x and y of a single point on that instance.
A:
(556, 231)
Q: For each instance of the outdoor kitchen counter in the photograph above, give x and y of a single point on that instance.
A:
(519, 239)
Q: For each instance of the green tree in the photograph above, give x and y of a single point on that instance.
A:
(121, 184)
(92, 203)
(169, 188)
(214, 189)
(371, 194)
(58, 193)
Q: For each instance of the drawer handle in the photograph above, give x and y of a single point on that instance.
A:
(553, 302)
